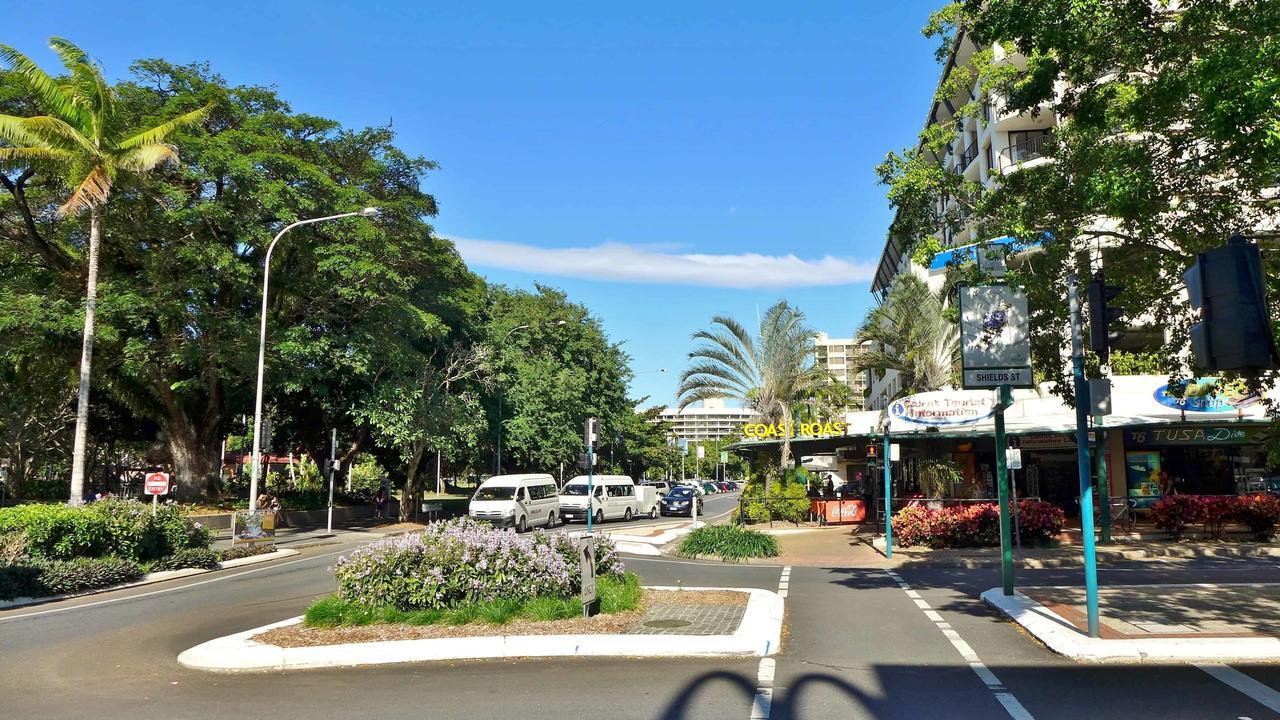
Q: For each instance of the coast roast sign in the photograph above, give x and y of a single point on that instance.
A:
(766, 431)
(940, 409)
(995, 349)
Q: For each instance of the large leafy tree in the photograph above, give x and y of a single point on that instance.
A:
(356, 305)
(911, 336)
(769, 372)
(554, 367)
(1169, 115)
(85, 141)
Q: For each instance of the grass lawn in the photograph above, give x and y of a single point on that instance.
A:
(616, 595)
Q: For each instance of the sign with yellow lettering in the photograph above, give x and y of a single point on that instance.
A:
(776, 431)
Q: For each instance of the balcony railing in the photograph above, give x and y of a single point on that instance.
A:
(968, 156)
(1027, 150)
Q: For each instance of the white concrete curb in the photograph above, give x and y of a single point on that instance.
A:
(758, 635)
(154, 577)
(1063, 638)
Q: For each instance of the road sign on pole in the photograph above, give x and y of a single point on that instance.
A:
(586, 546)
(155, 485)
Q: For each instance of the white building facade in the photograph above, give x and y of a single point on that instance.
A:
(711, 420)
(836, 355)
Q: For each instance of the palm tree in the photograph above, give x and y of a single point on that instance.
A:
(769, 373)
(910, 335)
(85, 142)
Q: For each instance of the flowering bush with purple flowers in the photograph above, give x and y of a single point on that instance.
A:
(462, 561)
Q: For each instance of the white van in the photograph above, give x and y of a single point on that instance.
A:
(518, 501)
(616, 496)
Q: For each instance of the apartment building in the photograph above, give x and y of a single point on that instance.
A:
(709, 419)
(836, 355)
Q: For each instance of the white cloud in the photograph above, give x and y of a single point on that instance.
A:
(650, 264)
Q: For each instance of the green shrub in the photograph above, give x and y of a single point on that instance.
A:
(616, 594)
(728, 542)
(188, 558)
(125, 528)
(787, 499)
(242, 551)
(58, 577)
(13, 547)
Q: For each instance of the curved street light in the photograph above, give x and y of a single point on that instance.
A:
(262, 343)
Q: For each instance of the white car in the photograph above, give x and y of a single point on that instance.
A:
(613, 497)
(518, 501)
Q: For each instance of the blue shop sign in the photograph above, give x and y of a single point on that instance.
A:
(1203, 395)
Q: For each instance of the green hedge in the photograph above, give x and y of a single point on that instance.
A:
(728, 542)
(42, 578)
(124, 528)
(189, 558)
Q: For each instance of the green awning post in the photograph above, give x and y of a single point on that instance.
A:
(1002, 492)
(888, 500)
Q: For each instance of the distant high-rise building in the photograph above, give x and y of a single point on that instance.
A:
(711, 421)
(836, 356)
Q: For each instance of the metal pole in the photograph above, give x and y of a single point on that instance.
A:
(262, 348)
(888, 499)
(1013, 490)
(591, 490)
(333, 457)
(1082, 460)
(439, 475)
(1104, 481)
(1002, 492)
(497, 457)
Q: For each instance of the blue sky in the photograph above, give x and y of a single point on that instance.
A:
(661, 162)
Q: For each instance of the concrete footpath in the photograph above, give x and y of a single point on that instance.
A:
(1202, 622)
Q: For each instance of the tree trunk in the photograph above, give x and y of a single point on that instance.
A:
(194, 464)
(86, 361)
(412, 488)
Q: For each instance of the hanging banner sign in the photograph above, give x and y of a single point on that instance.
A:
(995, 348)
(940, 409)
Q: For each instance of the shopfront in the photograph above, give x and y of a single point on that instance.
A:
(1201, 459)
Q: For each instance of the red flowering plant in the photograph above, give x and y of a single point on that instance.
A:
(1215, 512)
(1039, 521)
(1259, 513)
(1173, 513)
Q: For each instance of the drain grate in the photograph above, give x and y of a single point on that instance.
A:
(668, 624)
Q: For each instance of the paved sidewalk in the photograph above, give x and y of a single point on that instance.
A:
(1170, 610)
(1202, 622)
(1066, 556)
(293, 537)
(831, 546)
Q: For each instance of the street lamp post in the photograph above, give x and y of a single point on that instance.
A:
(497, 456)
(262, 344)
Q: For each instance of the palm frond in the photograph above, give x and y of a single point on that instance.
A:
(51, 96)
(93, 190)
(158, 133)
(15, 130)
(12, 157)
(59, 133)
(146, 157)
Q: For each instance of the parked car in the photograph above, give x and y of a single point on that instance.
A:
(681, 501)
(519, 501)
(662, 486)
(723, 486)
(733, 486)
(614, 497)
(710, 487)
(695, 484)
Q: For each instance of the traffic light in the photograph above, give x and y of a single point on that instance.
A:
(591, 432)
(1101, 317)
(1234, 333)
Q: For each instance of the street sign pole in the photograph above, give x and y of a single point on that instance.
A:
(1082, 459)
(1002, 492)
(1104, 480)
(888, 499)
(333, 457)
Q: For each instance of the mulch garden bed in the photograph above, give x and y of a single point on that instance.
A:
(302, 636)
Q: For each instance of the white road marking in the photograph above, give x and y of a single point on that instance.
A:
(1262, 694)
(170, 589)
(762, 703)
(765, 674)
(1006, 699)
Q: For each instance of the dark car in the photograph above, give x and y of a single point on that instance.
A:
(680, 501)
(724, 486)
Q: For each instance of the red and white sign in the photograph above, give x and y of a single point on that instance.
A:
(157, 483)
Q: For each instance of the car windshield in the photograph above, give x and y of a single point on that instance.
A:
(681, 492)
(495, 493)
(574, 490)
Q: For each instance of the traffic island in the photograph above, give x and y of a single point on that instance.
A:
(1152, 623)
(676, 622)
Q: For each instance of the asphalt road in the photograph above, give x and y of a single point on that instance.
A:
(857, 646)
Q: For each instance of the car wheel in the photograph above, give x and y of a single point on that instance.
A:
(521, 525)
(551, 520)
(599, 516)
(626, 516)
(653, 513)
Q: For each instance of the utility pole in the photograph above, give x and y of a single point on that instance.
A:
(333, 468)
(1002, 491)
(1082, 458)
